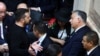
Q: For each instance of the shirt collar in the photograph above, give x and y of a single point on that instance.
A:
(79, 27)
(42, 38)
(88, 52)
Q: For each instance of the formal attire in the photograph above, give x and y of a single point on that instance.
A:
(44, 41)
(94, 51)
(18, 41)
(74, 47)
(4, 25)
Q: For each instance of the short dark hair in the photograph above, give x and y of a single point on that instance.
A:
(20, 13)
(92, 36)
(82, 14)
(53, 50)
(40, 26)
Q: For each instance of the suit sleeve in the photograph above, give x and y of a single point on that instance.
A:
(2, 41)
(76, 49)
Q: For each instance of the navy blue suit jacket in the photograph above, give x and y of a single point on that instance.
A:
(6, 24)
(74, 46)
(45, 44)
(95, 52)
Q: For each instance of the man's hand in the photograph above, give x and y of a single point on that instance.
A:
(36, 9)
(31, 51)
(36, 46)
(6, 48)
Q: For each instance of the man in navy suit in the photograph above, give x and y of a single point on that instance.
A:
(91, 43)
(44, 40)
(3, 27)
(73, 47)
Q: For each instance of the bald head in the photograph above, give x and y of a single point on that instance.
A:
(2, 10)
(2, 5)
(22, 5)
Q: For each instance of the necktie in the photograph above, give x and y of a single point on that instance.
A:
(73, 33)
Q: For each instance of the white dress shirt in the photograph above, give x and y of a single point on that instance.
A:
(41, 40)
(2, 35)
(88, 52)
(1, 24)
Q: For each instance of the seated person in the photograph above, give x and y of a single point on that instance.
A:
(91, 44)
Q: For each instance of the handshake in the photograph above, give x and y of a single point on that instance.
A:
(34, 48)
(4, 48)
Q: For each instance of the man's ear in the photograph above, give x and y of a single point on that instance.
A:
(22, 19)
(91, 43)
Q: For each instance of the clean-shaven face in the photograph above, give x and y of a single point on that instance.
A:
(2, 11)
(74, 20)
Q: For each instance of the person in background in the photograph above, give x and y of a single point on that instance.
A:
(12, 5)
(46, 7)
(62, 27)
(53, 50)
(91, 43)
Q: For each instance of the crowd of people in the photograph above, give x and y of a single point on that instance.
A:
(45, 28)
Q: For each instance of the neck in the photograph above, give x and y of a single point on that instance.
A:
(41, 35)
(91, 48)
(19, 24)
(80, 25)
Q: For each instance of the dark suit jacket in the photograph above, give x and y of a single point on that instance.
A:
(45, 44)
(47, 6)
(6, 25)
(95, 52)
(74, 46)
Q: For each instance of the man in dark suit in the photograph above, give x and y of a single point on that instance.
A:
(44, 40)
(73, 47)
(91, 43)
(3, 29)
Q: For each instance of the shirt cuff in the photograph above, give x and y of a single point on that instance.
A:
(39, 9)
